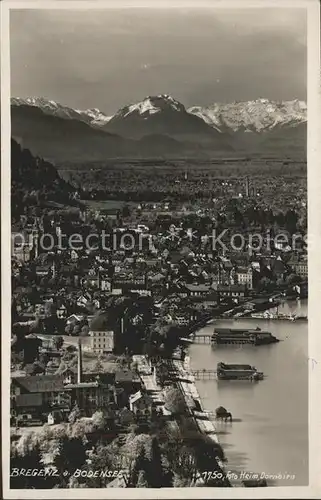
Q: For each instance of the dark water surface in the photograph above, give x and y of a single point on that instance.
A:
(270, 431)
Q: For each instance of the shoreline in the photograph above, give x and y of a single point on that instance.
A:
(204, 424)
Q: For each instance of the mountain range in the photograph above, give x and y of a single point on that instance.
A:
(160, 126)
(252, 116)
(93, 117)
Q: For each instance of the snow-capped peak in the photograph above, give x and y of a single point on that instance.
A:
(256, 115)
(98, 117)
(39, 102)
(252, 116)
(143, 107)
(151, 105)
(47, 106)
(92, 116)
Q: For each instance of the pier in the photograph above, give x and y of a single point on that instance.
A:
(277, 316)
(204, 374)
(202, 339)
(211, 415)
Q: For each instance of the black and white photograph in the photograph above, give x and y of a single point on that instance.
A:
(157, 296)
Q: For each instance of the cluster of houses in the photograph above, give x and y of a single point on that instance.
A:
(79, 282)
(68, 292)
(50, 398)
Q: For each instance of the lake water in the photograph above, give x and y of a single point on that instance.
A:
(270, 431)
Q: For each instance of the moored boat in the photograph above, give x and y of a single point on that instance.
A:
(271, 315)
(238, 372)
(226, 336)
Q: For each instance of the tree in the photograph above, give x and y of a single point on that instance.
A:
(36, 368)
(69, 328)
(137, 478)
(74, 415)
(147, 467)
(98, 367)
(61, 368)
(290, 220)
(162, 373)
(180, 481)
(59, 341)
(99, 420)
(24, 445)
(81, 428)
(207, 451)
(84, 332)
(142, 480)
(71, 456)
(264, 283)
(125, 211)
(158, 475)
(30, 459)
(291, 279)
(174, 401)
(44, 358)
(75, 483)
(50, 309)
(76, 330)
(102, 458)
(14, 312)
(71, 349)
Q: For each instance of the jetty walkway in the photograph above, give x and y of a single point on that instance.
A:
(204, 374)
(202, 339)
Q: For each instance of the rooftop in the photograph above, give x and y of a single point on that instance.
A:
(231, 288)
(27, 400)
(198, 288)
(125, 376)
(80, 385)
(40, 383)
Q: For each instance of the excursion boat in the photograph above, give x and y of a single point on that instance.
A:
(238, 372)
(227, 336)
(271, 315)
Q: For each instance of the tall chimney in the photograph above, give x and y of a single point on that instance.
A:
(247, 187)
(79, 373)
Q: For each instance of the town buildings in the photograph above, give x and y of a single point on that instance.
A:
(112, 299)
(102, 338)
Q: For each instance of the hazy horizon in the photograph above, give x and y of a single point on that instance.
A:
(108, 59)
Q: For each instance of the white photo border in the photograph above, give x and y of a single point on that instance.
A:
(314, 225)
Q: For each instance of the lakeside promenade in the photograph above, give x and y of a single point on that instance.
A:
(186, 384)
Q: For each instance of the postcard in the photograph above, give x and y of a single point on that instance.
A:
(160, 234)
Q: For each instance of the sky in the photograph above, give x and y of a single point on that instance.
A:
(110, 58)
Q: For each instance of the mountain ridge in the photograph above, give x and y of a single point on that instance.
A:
(160, 126)
(255, 115)
(92, 116)
(258, 115)
(162, 114)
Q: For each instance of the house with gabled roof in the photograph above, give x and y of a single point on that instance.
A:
(141, 404)
(232, 291)
(49, 389)
(26, 348)
(197, 290)
(244, 276)
(278, 268)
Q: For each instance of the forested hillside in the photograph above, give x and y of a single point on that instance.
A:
(35, 181)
